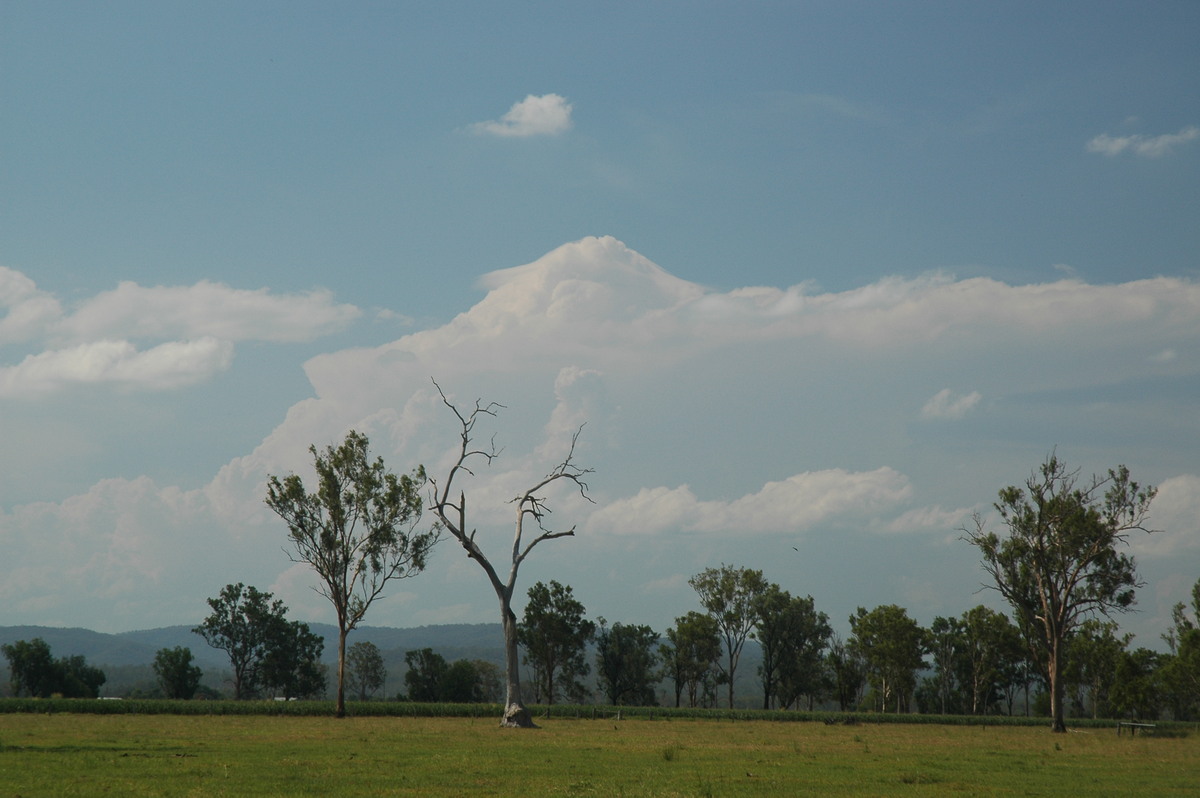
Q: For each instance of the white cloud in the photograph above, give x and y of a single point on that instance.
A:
(948, 405)
(692, 399)
(192, 330)
(170, 365)
(207, 309)
(28, 311)
(547, 115)
(1175, 514)
(793, 505)
(1141, 145)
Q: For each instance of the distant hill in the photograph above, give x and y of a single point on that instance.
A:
(453, 641)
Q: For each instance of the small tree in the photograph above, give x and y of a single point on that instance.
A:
(426, 672)
(626, 658)
(248, 626)
(36, 674)
(177, 676)
(892, 645)
(531, 505)
(730, 595)
(792, 635)
(365, 671)
(292, 667)
(1181, 671)
(31, 667)
(461, 683)
(357, 531)
(1060, 559)
(555, 635)
(692, 657)
(848, 671)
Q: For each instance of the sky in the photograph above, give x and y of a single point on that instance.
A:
(815, 280)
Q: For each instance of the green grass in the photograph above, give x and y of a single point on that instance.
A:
(64, 754)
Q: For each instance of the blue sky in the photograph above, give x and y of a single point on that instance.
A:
(820, 277)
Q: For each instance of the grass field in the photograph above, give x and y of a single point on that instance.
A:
(207, 755)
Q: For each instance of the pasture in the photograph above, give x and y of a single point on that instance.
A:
(248, 755)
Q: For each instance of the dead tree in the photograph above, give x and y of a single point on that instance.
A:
(531, 505)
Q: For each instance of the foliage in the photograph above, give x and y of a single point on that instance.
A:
(1181, 671)
(892, 645)
(691, 658)
(265, 650)
(555, 636)
(292, 667)
(793, 634)
(365, 671)
(1059, 561)
(626, 658)
(177, 676)
(426, 670)
(357, 531)
(35, 673)
(848, 670)
(730, 595)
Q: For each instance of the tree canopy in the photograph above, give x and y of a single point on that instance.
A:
(1061, 559)
(357, 531)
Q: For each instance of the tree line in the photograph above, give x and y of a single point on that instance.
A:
(1058, 560)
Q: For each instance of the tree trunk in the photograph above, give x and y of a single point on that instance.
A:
(515, 713)
(340, 712)
(1057, 691)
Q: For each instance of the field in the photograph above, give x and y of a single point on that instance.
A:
(243, 755)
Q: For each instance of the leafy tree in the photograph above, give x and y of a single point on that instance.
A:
(848, 670)
(461, 683)
(31, 667)
(555, 636)
(365, 671)
(426, 672)
(1181, 671)
(626, 657)
(35, 673)
(991, 651)
(792, 635)
(249, 627)
(730, 595)
(1094, 656)
(491, 681)
(292, 666)
(1059, 561)
(946, 644)
(531, 505)
(177, 676)
(692, 656)
(357, 531)
(892, 644)
(1138, 690)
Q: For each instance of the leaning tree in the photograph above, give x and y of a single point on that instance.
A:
(357, 531)
(1060, 560)
(530, 506)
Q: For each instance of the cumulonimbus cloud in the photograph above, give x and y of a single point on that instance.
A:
(1142, 145)
(545, 115)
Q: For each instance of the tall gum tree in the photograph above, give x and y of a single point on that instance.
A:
(530, 506)
(1059, 560)
(357, 531)
(731, 596)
